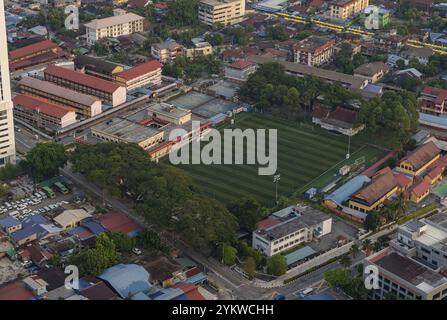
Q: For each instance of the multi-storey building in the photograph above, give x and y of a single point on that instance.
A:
(96, 67)
(7, 141)
(225, 12)
(290, 227)
(418, 161)
(314, 51)
(85, 105)
(433, 100)
(107, 91)
(112, 27)
(345, 9)
(401, 277)
(198, 49)
(425, 239)
(167, 51)
(148, 73)
(42, 113)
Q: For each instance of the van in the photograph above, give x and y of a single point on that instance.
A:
(306, 291)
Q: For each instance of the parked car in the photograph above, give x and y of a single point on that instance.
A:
(137, 251)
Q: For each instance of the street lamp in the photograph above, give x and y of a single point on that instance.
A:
(276, 179)
(349, 147)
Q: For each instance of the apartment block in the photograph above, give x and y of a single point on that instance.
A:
(314, 51)
(85, 105)
(345, 9)
(112, 27)
(405, 278)
(148, 73)
(225, 12)
(7, 140)
(42, 113)
(107, 91)
(433, 101)
(167, 51)
(290, 227)
(198, 49)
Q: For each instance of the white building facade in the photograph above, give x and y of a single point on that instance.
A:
(7, 141)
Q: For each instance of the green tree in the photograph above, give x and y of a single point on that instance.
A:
(250, 266)
(337, 277)
(123, 242)
(45, 159)
(354, 250)
(401, 206)
(371, 221)
(55, 261)
(345, 261)
(277, 265)
(229, 255)
(247, 211)
(182, 13)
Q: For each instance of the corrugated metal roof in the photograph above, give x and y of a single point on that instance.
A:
(348, 189)
(299, 254)
(127, 279)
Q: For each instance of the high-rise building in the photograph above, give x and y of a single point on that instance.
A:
(225, 12)
(7, 141)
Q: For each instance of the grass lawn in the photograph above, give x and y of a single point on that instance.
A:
(306, 158)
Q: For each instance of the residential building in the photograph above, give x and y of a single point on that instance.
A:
(384, 15)
(419, 191)
(121, 130)
(405, 278)
(198, 49)
(372, 71)
(417, 161)
(84, 105)
(290, 227)
(41, 113)
(433, 100)
(345, 9)
(96, 67)
(421, 54)
(225, 12)
(424, 239)
(314, 51)
(240, 70)
(341, 120)
(148, 73)
(71, 218)
(10, 225)
(107, 91)
(7, 140)
(34, 54)
(113, 27)
(372, 195)
(119, 222)
(167, 51)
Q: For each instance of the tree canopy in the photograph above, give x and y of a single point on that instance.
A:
(45, 159)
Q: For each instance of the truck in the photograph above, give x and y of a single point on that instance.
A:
(62, 189)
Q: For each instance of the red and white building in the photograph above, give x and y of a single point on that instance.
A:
(433, 100)
(314, 51)
(42, 113)
(148, 73)
(240, 70)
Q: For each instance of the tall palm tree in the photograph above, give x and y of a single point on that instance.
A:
(354, 250)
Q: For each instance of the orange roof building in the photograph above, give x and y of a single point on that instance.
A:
(34, 54)
(148, 73)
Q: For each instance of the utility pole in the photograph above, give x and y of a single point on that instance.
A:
(276, 179)
(349, 147)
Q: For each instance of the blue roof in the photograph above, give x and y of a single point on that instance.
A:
(140, 296)
(127, 279)
(9, 222)
(94, 227)
(76, 231)
(34, 220)
(299, 254)
(167, 294)
(436, 121)
(373, 88)
(28, 231)
(349, 188)
(319, 296)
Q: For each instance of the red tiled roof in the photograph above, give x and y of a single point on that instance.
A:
(81, 78)
(436, 171)
(233, 53)
(41, 104)
(403, 180)
(267, 223)
(422, 155)
(241, 64)
(345, 115)
(139, 70)
(440, 94)
(161, 5)
(421, 188)
(191, 290)
(32, 48)
(15, 291)
(320, 113)
(117, 222)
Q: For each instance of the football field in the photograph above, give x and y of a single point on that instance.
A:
(306, 158)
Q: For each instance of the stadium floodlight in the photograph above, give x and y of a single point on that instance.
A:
(276, 179)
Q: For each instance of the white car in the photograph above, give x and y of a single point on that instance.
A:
(137, 251)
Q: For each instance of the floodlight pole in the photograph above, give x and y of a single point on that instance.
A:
(276, 179)
(349, 147)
